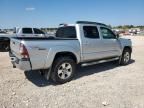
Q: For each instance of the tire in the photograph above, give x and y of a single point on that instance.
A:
(63, 70)
(126, 57)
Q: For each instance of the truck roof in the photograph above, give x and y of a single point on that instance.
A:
(89, 22)
(83, 22)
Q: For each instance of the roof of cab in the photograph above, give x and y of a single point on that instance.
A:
(89, 22)
(82, 22)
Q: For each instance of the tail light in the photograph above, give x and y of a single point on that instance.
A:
(23, 51)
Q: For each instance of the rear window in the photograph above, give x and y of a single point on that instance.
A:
(66, 32)
(27, 30)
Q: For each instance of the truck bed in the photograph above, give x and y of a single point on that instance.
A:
(42, 50)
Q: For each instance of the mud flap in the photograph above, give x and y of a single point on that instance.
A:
(46, 73)
(120, 59)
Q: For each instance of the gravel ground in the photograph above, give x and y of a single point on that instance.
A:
(100, 86)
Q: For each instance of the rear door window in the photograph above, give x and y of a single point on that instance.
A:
(91, 32)
(66, 32)
(27, 30)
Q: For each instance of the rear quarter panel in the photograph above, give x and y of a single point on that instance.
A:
(43, 59)
(15, 46)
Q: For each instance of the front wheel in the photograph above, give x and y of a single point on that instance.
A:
(126, 56)
(63, 70)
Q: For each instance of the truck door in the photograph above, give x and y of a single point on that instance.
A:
(91, 43)
(111, 44)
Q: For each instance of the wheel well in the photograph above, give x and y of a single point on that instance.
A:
(69, 54)
(129, 48)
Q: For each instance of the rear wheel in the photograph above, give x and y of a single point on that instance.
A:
(126, 56)
(63, 69)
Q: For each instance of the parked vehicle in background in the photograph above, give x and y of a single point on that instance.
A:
(4, 43)
(141, 33)
(3, 33)
(84, 43)
(30, 32)
(19, 32)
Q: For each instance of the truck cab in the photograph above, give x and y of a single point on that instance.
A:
(98, 41)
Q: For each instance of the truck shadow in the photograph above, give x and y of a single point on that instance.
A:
(1, 50)
(40, 81)
(37, 79)
(103, 67)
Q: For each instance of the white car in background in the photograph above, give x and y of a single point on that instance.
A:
(19, 32)
(29, 32)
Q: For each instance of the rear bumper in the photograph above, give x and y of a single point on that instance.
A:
(22, 64)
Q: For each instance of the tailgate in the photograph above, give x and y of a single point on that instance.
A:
(15, 46)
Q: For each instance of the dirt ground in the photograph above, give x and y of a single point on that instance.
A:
(104, 85)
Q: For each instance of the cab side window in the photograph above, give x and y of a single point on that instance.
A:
(91, 32)
(107, 33)
(66, 32)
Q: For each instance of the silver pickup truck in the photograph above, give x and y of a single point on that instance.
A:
(83, 43)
